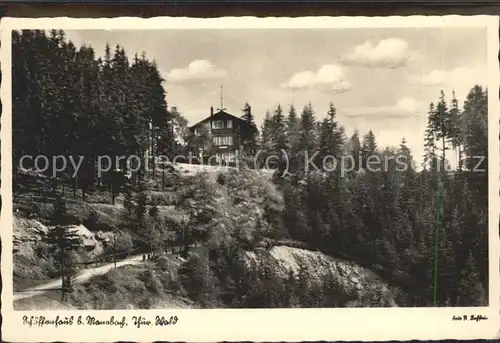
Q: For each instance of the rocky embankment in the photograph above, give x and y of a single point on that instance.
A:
(29, 232)
(369, 288)
(31, 255)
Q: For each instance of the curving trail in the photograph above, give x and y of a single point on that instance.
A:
(82, 276)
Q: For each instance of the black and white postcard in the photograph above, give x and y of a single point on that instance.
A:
(250, 179)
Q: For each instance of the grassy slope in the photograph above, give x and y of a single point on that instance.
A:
(149, 286)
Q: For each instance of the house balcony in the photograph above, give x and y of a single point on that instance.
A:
(223, 131)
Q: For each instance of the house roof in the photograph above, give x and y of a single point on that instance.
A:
(216, 115)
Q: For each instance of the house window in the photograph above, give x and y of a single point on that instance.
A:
(229, 124)
(197, 131)
(223, 140)
(228, 140)
(218, 124)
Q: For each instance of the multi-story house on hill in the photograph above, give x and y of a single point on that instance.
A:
(226, 132)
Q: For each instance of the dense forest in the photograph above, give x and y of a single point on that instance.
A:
(68, 102)
(387, 217)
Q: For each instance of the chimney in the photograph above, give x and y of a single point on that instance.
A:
(211, 111)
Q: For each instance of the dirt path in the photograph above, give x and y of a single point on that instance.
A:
(82, 276)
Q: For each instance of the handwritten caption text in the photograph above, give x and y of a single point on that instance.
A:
(136, 321)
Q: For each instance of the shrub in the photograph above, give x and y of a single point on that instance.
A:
(146, 303)
(162, 198)
(268, 243)
(198, 279)
(151, 281)
(35, 209)
(163, 263)
(41, 250)
(221, 178)
(292, 243)
(168, 277)
(92, 221)
(124, 241)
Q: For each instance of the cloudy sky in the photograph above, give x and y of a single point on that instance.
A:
(379, 79)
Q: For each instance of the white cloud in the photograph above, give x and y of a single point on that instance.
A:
(388, 53)
(405, 107)
(329, 77)
(197, 70)
(460, 79)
